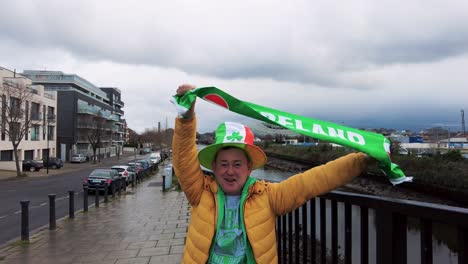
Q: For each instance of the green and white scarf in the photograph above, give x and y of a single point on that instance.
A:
(373, 144)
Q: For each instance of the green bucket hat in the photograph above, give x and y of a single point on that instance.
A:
(229, 134)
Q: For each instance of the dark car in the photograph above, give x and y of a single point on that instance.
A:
(52, 162)
(98, 178)
(32, 165)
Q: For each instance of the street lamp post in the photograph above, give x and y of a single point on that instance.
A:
(49, 118)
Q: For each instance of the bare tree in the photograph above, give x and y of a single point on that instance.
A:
(16, 119)
(96, 134)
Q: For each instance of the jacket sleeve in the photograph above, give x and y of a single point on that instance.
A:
(296, 190)
(185, 159)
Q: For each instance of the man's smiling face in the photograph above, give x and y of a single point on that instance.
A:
(232, 167)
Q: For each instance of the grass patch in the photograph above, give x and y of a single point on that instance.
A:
(20, 243)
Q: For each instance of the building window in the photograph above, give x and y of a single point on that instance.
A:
(29, 154)
(14, 131)
(35, 111)
(35, 132)
(15, 107)
(6, 155)
(50, 133)
(50, 113)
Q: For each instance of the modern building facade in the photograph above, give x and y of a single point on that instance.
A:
(118, 131)
(39, 107)
(84, 112)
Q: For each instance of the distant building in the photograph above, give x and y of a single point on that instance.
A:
(79, 103)
(41, 110)
(454, 143)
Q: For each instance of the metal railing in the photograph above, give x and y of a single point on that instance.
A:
(298, 241)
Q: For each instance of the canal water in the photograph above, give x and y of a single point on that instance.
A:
(444, 237)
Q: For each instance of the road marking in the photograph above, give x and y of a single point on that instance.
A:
(3, 216)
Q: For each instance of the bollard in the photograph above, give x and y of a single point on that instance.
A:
(96, 197)
(106, 195)
(125, 184)
(52, 224)
(71, 204)
(164, 183)
(133, 180)
(24, 220)
(120, 186)
(85, 199)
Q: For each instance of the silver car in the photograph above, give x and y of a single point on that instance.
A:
(78, 158)
(125, 172)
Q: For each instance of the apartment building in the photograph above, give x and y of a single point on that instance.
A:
(39, 107)
(118, 130)
(83, 111)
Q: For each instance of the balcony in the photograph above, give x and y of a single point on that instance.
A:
(118, 111)
(118, 102)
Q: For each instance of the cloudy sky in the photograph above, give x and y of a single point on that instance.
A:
(392, 64)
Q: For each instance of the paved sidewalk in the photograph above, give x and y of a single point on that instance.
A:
(142, 226)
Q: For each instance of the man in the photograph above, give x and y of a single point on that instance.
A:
(233, 215)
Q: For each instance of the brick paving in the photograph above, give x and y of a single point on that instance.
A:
(144, 225)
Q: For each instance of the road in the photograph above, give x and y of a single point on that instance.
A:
(37, 189)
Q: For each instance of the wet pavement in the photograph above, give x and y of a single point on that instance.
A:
(143, 225)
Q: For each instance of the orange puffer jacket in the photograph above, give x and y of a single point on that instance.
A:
(264, 203)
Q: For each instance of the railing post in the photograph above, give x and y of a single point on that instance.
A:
(24, 220)
(305, 245)
(52, 222)
(348, 234)
(313, 231)
(164, 183)
(85, 198)
(106, 195)
(323, 231)
(426, 241)
(462, 245)
(384, 236)
(71, 204)
(96, 197)
(278, 238)
(296, 236)
(334, 231)
(290, 238)
(120, 186)
(364, 235)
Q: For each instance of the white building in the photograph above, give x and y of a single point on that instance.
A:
(41, 109)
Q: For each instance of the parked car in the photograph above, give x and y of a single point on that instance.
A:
(146, 164)
(79, 158)
(53, 162)
(99, 177)
(155, 157)
(136, 166)
(125, 171)
(32, 165)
